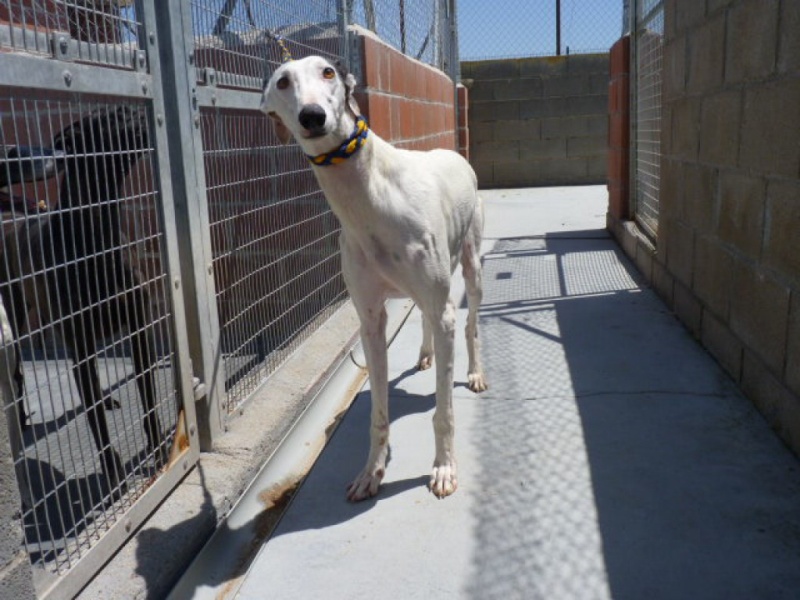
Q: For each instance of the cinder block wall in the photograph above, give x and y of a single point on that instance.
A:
(407, 102)
(538, 121)
(727, 256)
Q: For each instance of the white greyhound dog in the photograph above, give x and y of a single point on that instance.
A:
(407, 218)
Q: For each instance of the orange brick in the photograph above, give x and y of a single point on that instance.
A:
(430, 77)
(380, 117)
(450, 119)
(372, 63)
(620, 56)
(394, 110)
(618, 131)
(406, 119)
(618, 205)
(363, 101)
(418, 87)
(397, 79)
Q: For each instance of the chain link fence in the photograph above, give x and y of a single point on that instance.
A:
(418, 28)
(528, 28)
(647, 48)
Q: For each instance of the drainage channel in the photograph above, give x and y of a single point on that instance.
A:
(220, 567)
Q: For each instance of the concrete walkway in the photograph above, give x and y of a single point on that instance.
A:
(610, 458)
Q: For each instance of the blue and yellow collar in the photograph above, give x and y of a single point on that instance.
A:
(348, 148)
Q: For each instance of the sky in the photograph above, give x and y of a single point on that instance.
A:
(486, 28)
(518, 28)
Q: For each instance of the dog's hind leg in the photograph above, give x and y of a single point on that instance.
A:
(143, 361)
(471, 266)
(88, 384)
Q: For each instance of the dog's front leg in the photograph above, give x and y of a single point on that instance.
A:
(373, 338)
(444, 479)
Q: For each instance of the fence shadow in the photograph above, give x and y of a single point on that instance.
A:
(161, 553)
(333, 469)
(638, 469)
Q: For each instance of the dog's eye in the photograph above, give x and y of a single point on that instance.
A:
(282, 83)
(328, 73)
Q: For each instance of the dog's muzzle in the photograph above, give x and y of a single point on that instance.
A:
(312, 118)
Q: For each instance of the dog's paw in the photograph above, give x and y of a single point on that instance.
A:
(477, 383)
(365, 485)
(425, 362)
(443, 479)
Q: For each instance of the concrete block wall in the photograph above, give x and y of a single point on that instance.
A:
(538, 121)
(727, 257)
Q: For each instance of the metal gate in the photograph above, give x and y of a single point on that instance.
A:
(646, 58)
(273, 238)
(95, 373)
(162, 253)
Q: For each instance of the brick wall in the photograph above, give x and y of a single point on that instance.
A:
(619, 129)
(727, 256)
(463, 120)
(408, 103)
(538, 121)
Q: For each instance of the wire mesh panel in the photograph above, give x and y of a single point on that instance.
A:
(536, 28)
(274, 239)
(94, 31)
(88, 368)
(275, 246)
(237, 39)
(647, 161)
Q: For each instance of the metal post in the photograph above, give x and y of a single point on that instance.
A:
(403, 26)
(558, 27)
(344, 13)
(186, 172)
(632, 111)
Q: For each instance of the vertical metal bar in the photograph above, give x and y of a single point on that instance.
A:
(436, 34)
(343, 14)
(558, 27)
(403, 26)
(451, 24)
(181, 171)
(632, 111)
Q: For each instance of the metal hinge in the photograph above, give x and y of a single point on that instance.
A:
(140, 61)
(208, 76)
(61, 46)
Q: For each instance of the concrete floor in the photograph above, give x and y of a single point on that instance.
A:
(610, 458)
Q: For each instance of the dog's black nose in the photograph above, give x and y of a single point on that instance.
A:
(312, 117)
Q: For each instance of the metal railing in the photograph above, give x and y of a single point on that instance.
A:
(162, 253)
(646, 58)
(95, 372)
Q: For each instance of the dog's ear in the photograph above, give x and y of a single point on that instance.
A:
(283, 133)
(349, 87)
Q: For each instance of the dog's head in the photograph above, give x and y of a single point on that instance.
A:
(308, 98)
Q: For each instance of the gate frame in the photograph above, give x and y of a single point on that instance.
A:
(23, 70)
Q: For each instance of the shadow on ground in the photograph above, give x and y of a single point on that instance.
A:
(616, 459)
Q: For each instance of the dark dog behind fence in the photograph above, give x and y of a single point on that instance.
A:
(72, 270)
